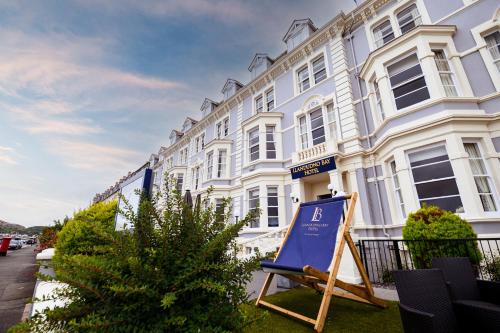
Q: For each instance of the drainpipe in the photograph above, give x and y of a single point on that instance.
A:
(374, 169)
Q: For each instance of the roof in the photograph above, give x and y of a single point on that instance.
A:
(297, 23)
(231, 82)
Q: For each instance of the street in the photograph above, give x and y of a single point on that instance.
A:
(17, 282)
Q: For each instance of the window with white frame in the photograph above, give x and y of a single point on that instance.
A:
(482, 179)
(378, 100)
(317, 127)
(270, 142)
(210, 164)
(197, 144)
(303, 78)
(493, 45)
(170, 162)
(202, 141)
(319, 69)
(332, 121)
(409, 18)
(221, 163)
(407, 82)
(222, 128)
(183, 156)
(383, 33)
(304, 142)
(259, 104)
(270, 100)
(316, 134)
(253, 204)
(272, 206)
(179, 182)
(397, 189)
(434, 179)
(253, 144)
(196, 177)
(445, 73)
(219, 209)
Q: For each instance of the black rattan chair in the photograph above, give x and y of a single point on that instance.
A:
(425, 305)
(477, 300)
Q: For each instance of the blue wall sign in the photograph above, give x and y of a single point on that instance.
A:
(313, 168)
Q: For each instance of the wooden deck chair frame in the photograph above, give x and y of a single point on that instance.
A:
(316, 279)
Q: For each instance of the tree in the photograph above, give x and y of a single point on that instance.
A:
(176, 271)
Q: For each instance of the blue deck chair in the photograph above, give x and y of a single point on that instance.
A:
(311, 252)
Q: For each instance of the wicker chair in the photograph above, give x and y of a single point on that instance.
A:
(478, 300)
(425, 305)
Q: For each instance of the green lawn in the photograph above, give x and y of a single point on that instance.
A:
(343, 315)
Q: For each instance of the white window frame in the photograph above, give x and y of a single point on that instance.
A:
(331, 118)
(269, 206)
(377, 40)
(250, 145)
(301, 82)
(398, 193)
(416, 20)
(325, 76)
(254, 224)
(179, 176)
(267, 93)
(448, 72)
(309, 129)
(222, 128)
(488, 176)
(479, 33)
(273, 142)
(259, 103)
(410, 169)
(210, 164)
(221, 163)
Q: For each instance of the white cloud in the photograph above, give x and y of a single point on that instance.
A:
(94, 157)
(6, 156)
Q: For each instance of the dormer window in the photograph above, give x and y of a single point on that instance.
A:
(319, 69)
(298, 32)
(303, 78)
(383, 33)
(409, 18)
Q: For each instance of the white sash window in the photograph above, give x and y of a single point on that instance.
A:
(445, 73)
(383, 33)
(481, 177)
(409, 18)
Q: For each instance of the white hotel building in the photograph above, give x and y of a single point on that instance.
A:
(403, 95)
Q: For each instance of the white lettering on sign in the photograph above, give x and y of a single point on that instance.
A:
(318, 214)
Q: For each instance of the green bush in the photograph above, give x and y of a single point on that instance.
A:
(493, 268)
(176, 271)
(435, 225)
(85, 232)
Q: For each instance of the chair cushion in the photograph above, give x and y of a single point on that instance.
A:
(477, 316)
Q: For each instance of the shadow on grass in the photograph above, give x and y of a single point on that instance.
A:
(343, 315)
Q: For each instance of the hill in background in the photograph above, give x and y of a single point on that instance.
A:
(9, 228)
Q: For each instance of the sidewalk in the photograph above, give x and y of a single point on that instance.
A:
(17, 282)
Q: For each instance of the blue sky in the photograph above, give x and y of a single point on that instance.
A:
(90, 88)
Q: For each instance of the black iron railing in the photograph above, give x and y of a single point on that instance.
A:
(381, 257)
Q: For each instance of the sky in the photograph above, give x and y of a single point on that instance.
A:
(90, 88)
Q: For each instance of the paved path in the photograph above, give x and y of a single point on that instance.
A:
(17, 282)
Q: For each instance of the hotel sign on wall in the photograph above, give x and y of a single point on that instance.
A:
(313, 168)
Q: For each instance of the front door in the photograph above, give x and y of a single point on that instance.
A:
(324, 196)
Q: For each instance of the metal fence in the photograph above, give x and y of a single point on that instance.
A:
(381, 257)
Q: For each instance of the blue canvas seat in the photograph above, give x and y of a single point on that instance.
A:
(311, 252)
(312, 239)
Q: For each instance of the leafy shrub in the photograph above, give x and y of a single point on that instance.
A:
(176, 272)
(434, 226)
(83, 234)
(492, 268)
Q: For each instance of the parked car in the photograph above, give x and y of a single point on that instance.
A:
(15, 244)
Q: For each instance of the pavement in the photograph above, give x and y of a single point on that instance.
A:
(17, 281)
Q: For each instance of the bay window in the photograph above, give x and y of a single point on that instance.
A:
(445, 73)
(493, 45)
(219, 210)
(397, 189)
(434, 179)
(270, 142)
(383, 33)
(409, 18)
(319, 69)
(481, 177)
(221, 164)
(407, 82)
(253, 144)
(210, 164)
(378, 100)
(179, 182)
(253, 205)
(272, 206)
(303, 78)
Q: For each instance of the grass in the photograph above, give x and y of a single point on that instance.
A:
(343, 315)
